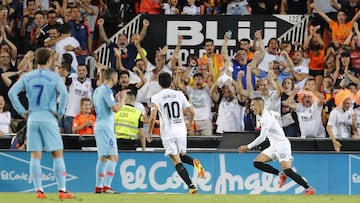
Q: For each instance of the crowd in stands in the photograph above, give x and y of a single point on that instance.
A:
(302, 85)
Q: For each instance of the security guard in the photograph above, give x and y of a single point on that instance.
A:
(129, 124)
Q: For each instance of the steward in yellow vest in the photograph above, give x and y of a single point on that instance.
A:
(129, 125)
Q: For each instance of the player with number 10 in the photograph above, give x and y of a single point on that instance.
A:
(170, 104)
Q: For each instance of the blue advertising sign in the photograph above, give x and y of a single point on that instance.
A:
(226, 173)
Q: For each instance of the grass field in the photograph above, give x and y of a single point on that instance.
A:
(180, 198)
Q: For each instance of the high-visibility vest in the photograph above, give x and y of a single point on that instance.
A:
(218, 63)
(126, 122)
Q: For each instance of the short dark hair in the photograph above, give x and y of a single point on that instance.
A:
(66, 66)
(164, 79)
(65, 28)
(84, 99)
(67, 58)
(109, 73)
(42, 56)
(124, 72)
(51, 12)
(245, 40)
(198, 75)
(39, 13)
(208, 40)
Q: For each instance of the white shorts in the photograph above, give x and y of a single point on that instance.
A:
(175, 146)
(280, 151)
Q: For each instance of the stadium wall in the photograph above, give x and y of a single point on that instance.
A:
(226, 173)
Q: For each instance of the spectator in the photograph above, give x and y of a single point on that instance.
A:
(191, 8)
(341, 75)
(39, 21)
(8, 46)
(83, 123)
(289, 118)
(150, 7)
(340, 119)
(340, 28)
(170, 8)
(266, 55)
(27, 24)
(300, 71)
(7, 22)
(79, 87)
(244, 43)
(6, 66)
(355, 49)
(151, 75)
(349, 6)
(212, 7)
(52, 23)
(5, 118)
(68, 44)
(239, 63)
(356, 116)
(218, 60)
(128, 50)
(325, 7)
(309, 112)
(315, 47)
(53, 37)
(231, 106)
(80, 30)
(295, 7)
(265, 6)
(200, 98)
(89, 13)
(237, 7)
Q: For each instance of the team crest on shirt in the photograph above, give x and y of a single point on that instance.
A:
(282, 155)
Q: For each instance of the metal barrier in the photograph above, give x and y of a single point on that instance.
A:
(130, 28)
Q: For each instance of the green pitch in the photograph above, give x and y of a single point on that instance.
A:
(180, 198)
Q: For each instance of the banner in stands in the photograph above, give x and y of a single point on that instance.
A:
(164, 30)
(226, 173)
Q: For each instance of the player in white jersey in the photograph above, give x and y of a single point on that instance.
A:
(340, 122)
(280, 147)
(170, 104)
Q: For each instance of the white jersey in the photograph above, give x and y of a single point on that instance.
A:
(60, 49)
(77, 90)
(272, 102)
(301, 69)
(230, 116)
(191, 10)
(270, 128)
(264, 64)
(357, 113)
(201, 100)
(310, 121)
(170, 104)
(5, 119)
(340, 122)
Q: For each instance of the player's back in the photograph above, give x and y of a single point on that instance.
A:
(104, 113)
(171, 104)
(41, 91)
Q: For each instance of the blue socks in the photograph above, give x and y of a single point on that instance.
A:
(110, 172)
(60, 173)
(35, 173)
(100, 173)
